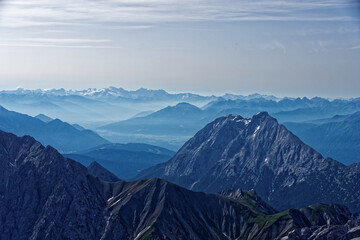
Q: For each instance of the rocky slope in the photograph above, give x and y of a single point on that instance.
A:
(46, 196)
(350, 230)
(261, 154)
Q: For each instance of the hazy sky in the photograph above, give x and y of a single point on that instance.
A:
(293, 48)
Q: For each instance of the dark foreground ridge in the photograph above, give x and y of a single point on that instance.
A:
(46, 196)
(259, 153)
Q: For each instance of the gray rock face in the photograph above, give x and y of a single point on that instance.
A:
(258, 153)
(350, 230)
(46, 196)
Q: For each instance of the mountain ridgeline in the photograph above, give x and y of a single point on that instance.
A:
(102, 173)
(46, 196)
(124, 160)
(61, 135)
(338, 137)
(172, 126)
(259, 153)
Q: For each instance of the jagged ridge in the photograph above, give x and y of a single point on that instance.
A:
(259, 153)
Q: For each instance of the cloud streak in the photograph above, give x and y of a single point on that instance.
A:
(19, 13)
(64, 40)
(39, 45)
(58, 43)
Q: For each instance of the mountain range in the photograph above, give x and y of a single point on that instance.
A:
(171, 127)
(93, 108)
(59, 134)
(46, 196)
(337, 137)
(124, 160)
(113, 92)
(259, 153)
(284, 109)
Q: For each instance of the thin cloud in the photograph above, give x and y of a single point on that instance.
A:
(64, 40)
(41, 45)
(355, 47)
(17, 13)
(280, 46)
(134, 27)
(58, 43)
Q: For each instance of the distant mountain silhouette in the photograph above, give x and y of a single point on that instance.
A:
(124, 160)
(44, 118)
(170, 127)
(102, 173)
(337, 137)
(180, 119)
(285, 109)
(56, 133)
(259, 153)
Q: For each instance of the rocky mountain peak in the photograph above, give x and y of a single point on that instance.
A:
(257, 153)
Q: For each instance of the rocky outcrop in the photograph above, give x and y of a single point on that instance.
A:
(350, 230)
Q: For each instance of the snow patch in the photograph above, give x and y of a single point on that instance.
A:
(256, 130)
(247, 121)
(192, 185)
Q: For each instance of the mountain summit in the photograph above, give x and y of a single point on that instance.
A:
(259, 153)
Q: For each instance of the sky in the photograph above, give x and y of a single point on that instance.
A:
(285, 48)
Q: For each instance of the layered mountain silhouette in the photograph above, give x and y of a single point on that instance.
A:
(338, 137)
(44, 118)
(169, 127)
(285, 109)
(124, 160)
(56, 133)
(46, 196)
(259, 153)
(172, 126)
(99, 171)
(177, 119)
(93, 107)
